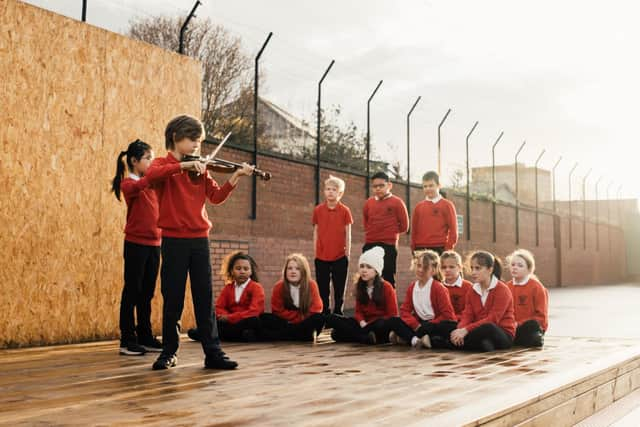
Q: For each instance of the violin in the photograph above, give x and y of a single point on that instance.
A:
(224, 166)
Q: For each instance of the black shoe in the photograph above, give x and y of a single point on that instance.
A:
(487, 345)
(132, 349)
(165, 362)
(152, 345)
(219, 360)
(370, 338)
(194, 334)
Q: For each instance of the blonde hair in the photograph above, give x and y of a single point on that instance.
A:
(305, 277)
(454, 256)
(338, 182)
(527, 256)
(430, 258)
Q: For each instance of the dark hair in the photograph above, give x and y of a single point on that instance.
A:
(380, 175)
(487, 259)
(378, 292)
(226, 271)
(431, 176)
(183, 126)
(136, 150)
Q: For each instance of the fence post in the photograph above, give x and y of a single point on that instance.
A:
(318, 133)
(468, 198)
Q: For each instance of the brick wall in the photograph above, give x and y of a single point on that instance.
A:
(283, 225)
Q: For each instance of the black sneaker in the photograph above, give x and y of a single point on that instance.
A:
(132, 349)
(152, 345)
(370, 338)
(219, 360)
(486, 346)
(164, 362)
(194, 334)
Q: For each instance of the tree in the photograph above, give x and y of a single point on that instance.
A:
(227, 93)
(456, 179)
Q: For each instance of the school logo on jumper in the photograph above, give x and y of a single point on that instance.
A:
(522, 300)
(436, 212)
(456, 299)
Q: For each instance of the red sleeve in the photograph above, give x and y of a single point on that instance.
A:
(160, 170)
(348, 218)
(256, 306)
(406, 310)
(390, 301)
(130, 188)
(441, 302)
(452, 235)
(467, 314)
(414, 227)
(501, 300)
(403, 216)
(277, 306)
(316, 301)
(314, 217)
(541, 305)
(222, 302)
(216, 194)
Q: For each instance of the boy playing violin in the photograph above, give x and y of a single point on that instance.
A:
(185, 238)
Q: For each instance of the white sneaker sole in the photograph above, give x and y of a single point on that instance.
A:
(126, 352)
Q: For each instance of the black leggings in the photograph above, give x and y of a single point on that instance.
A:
(529, 334)
(347, 329)
(487, 337)
(438, 332)
(242, 331)
(335, 272)
(274, 328)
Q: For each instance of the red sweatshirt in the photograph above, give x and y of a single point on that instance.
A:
(434, 225)
(385, 219)
(370, 312)
(251, 302)
(294, 316)
(182, 200)
(142, 212)
(442, 309)
(458, 296)
(497, 309)
(530, 301)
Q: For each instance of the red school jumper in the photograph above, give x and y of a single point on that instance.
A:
(530, 302)
(442, 309)
(498, 309)
(385, 219)
(294, 316)
(370, 312)
(458, 295)
(142, 212)
(183, 213)
(251, 303)
(434, 225)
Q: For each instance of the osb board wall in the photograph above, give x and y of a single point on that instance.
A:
(73, 97)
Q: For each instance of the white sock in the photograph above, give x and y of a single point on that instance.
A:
(414, 341)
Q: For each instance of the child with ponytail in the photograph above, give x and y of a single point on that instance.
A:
(141, 248)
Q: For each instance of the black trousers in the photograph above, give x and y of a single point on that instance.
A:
(141, 263)
(274, 328)
(438, 332)
(335, 272)
(390, 257)
(347, 329)
(179, 257)
(487, 337)
(529, 334)
(436, 249)
(238, 331)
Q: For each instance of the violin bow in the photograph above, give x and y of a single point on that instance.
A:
(215, 152)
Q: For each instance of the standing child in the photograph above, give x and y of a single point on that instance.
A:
(487, 322)
(434, 223)
(241, 301)
(376, 304)
(141, 249)
(296, 306)
(332, 242)
(385, 217)
(185, 238)
(530, 300)
(426, 315)
(451, 268)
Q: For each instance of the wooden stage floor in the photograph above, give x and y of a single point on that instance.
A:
(323, 384)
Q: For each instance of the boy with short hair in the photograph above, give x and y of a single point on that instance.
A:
(385, 217)
(332, 242)
(434, 224)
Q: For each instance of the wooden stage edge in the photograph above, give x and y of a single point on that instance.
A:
(321, 384)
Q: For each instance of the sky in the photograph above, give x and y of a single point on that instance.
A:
(562, 75)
